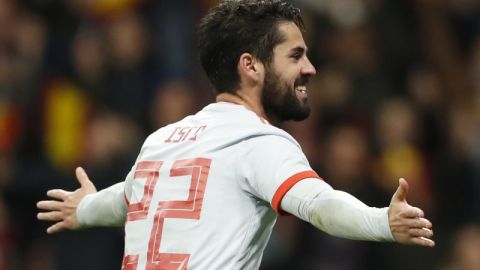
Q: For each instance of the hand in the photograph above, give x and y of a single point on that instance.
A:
(63, 210)
(407, 223)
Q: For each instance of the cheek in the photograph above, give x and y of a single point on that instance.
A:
(291, 81)
(286, 70)
(288, 76)
(292, 75)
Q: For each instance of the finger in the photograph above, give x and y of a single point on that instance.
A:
(50, 216)
(83, 179)
(419, 223)
(57, 227)
(413, 212)
(422, 241)
(402, 191)
(82, 176)
(426, 222)
(49, 205)
(423, 232)
(58, 194)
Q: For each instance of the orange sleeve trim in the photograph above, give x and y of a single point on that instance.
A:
(287, 185)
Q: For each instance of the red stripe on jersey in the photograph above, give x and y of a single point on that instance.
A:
(287, 185)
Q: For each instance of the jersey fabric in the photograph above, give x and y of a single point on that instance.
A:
(204, 191)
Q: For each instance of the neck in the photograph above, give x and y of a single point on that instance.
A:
(253, 104)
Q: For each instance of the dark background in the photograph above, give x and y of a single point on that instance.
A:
(397, 94)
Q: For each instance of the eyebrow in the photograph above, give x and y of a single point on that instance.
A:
(299, 49)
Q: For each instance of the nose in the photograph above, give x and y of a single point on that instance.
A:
(308, 69)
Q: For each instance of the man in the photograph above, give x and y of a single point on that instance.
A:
(204, 192)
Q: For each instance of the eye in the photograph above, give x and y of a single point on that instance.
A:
(297, 53)
(296, 56)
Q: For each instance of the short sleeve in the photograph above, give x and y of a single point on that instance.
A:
(271, 166)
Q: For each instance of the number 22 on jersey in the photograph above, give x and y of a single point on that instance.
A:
(198, 169)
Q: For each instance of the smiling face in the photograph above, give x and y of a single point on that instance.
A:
(285, 92)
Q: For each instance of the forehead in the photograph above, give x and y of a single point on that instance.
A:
(293, 37)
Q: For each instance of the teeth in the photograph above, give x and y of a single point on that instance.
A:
(301, 88)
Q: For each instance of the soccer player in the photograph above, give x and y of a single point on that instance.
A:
(204, 192)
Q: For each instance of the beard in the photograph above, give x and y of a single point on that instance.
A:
(279, 99)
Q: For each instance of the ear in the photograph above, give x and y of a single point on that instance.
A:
(250, 68)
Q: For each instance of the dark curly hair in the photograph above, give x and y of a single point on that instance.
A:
(235, 27)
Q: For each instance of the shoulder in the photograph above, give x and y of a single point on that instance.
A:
(240, 121)
(273, 143)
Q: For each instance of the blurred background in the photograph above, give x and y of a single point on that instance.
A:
(397, 94)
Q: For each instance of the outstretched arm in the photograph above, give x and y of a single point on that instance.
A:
(83, 207)
(340, 214)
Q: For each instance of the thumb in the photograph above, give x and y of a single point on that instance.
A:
(84, 181)
(402, 191)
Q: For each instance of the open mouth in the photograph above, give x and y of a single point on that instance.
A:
(300, 87)
(301, 91)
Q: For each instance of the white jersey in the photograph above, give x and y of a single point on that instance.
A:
(204, 192)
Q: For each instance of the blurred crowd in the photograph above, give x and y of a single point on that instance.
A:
(397, 94)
